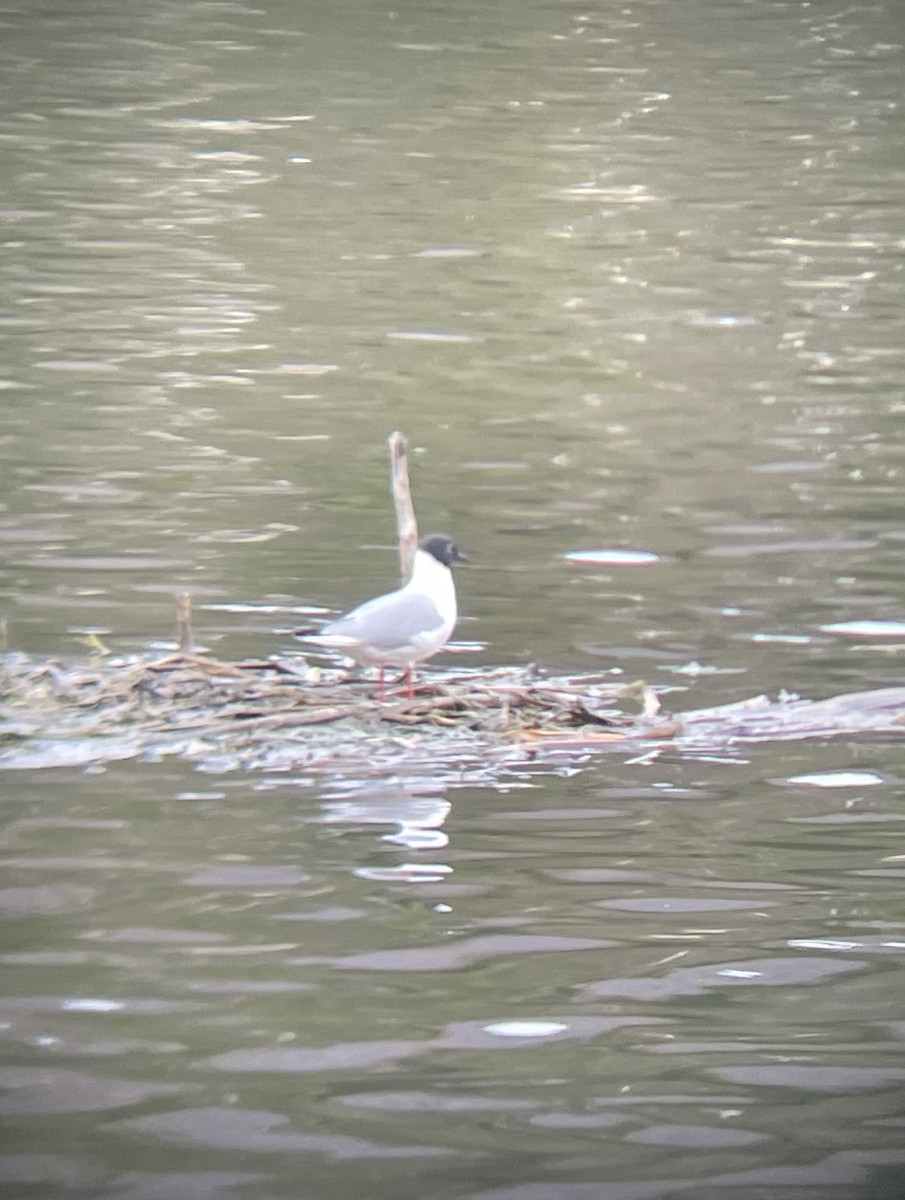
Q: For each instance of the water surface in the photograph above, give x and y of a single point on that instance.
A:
(630, 278)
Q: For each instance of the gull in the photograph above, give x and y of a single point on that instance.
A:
(403, 627)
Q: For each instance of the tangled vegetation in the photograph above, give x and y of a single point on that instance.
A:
(285, 714)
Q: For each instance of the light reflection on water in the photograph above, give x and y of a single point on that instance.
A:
(629, 279)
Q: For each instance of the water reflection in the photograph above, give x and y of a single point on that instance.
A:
(419, 819)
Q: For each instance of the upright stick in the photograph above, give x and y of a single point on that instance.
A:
(406, 524)
(184, 639)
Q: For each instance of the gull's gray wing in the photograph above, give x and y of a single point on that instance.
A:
(388, 622)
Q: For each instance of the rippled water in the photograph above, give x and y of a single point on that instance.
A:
(630, 278)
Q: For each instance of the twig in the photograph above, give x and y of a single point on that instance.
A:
(173, 662)
(406, 524)
(287, 718)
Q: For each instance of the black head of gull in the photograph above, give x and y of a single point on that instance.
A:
(406, 626)
(442, 548)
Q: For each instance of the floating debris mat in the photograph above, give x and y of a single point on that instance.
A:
(275, 712)
(283, 714)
